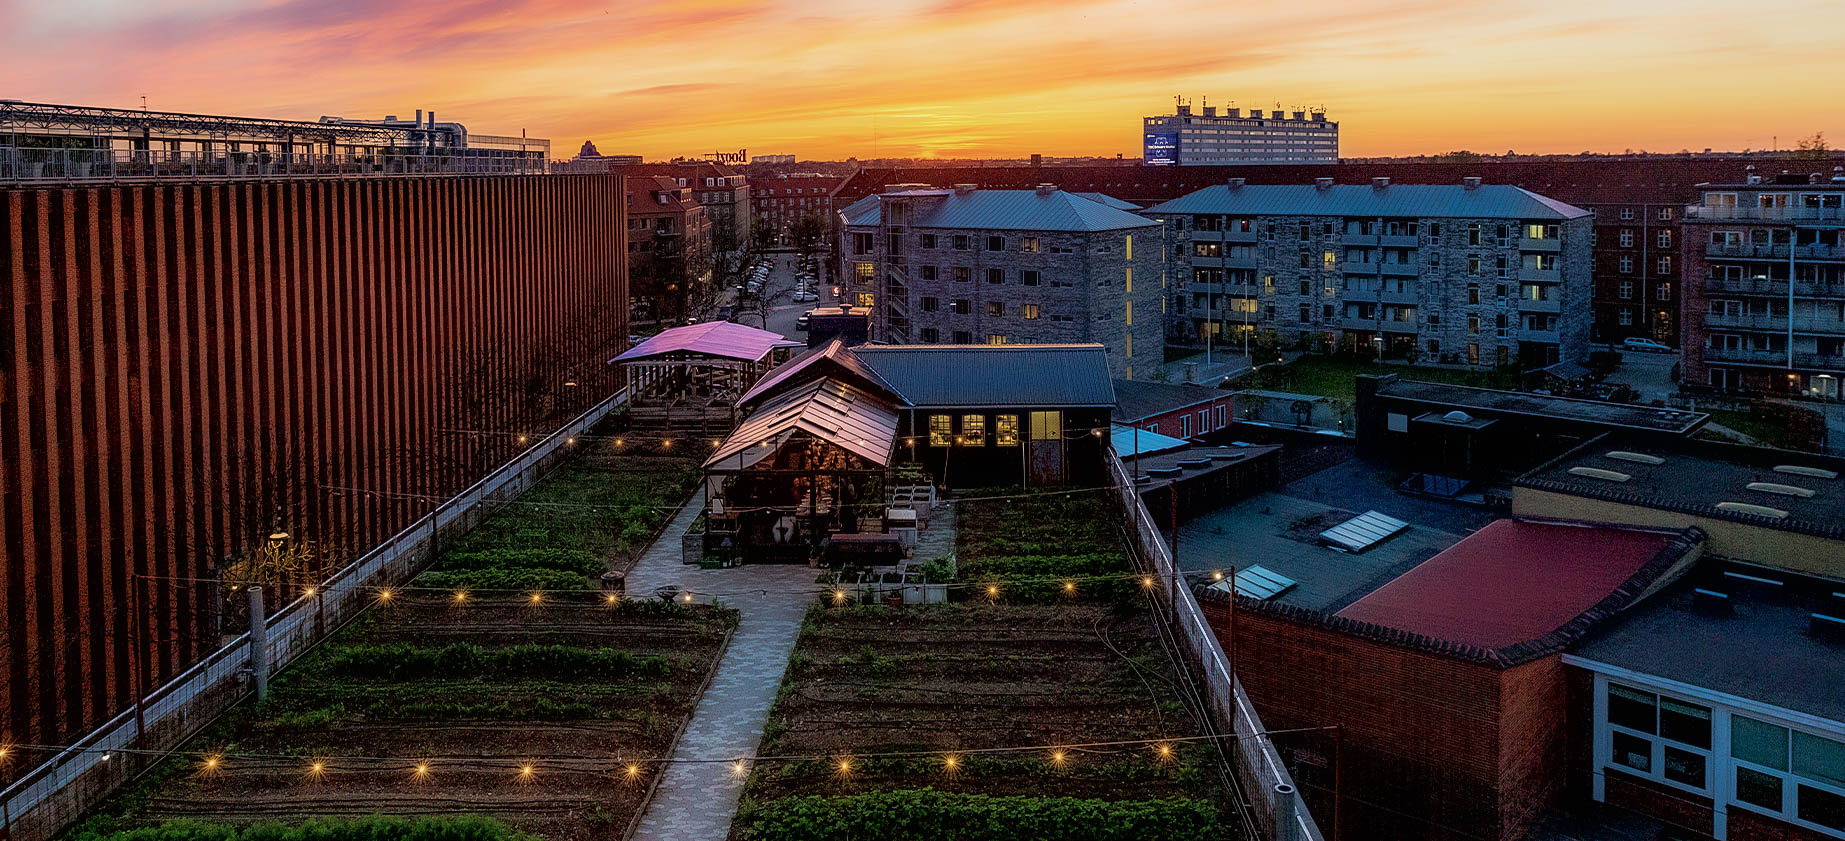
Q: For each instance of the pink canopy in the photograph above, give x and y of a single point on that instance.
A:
(720, 339)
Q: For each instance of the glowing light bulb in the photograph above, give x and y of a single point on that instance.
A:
(1057, 757)
(538, 598)
(460, 596)
(992, 590)
(611, 598)
(525, 771)
(384, 595)
(1217, 575)
(1146, 581)
(951, 762)
(422, 769)
(309, 592)
(634, 771)
(845, 766)
(737, 768)
(1069, 586)
(211, 762)
(839, 597)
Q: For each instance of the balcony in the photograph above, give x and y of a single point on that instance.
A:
(1776, 359)
(1529, 275)
(1749, 251)
(1549, 245)
(1766, 214)
(1240, 236)
(1773, 288)
(1400, 269)
(1357, 267)
(1774, 323)
(1548, 305)
(1359, 239)
(1392, 326)
(1399, 241)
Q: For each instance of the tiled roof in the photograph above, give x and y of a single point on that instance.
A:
(1511, 582)
(931, 376)
(1006, 210)
(1442, 201)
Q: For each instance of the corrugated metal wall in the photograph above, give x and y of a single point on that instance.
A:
(186, 367)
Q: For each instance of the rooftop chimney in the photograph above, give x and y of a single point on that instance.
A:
(1233, 112)
(1812, 178)
(1323, 183)
(964, 189)
(1752, 177)
(1471, 182)
(1237, 183)
(1276, 115)
(1210, 110)
(1185, 110)
(1300, 115)
(1046, 189)
(1380, 182)
(1838, 174)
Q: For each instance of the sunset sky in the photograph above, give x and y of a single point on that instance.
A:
(963, 78)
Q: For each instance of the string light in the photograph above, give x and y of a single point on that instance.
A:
(525, 772)
(6, 751)
(738, 768)
(1057, 757)
(570, 442)
(633, 770)
(537, 598)
(839, 597)
(421, 772)
(1069, 587)
(845, 766)
(521, 439)
(384, 595)
(461, 596)
(316, 770)
(992, 591)
(1217, 575)
(309, 592)
(687, 598)
(612, 598)
(951, 762)
(1146, 581)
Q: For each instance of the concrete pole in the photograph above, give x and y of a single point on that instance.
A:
(259, 642)
(1287, 828)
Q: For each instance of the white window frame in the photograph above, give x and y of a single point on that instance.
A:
(1185, 425)
(1656, 759)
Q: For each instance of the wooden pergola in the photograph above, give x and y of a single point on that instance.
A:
(689, 378)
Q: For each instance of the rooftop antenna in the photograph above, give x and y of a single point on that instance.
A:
(143, 103)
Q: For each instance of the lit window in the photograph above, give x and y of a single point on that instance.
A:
(1006, 430)
(973, 430)
(863, 299)
(864, 271)
(1028, 245)
(941, 430)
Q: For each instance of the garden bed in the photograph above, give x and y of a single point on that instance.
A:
(1036, 665)
(505, 656)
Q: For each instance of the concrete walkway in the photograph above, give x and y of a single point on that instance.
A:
(697, 800)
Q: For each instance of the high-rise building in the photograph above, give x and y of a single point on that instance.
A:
(1765, 309)
(1279, 137)
(969, 266)
(1467, 273)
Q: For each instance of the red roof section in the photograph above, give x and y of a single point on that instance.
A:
(1510, 582)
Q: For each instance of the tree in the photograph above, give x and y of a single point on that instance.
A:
(1460, 156)
(1812, 148)
(762, 233)
(807, 234)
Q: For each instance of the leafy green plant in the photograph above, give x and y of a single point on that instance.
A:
(944, 816)
(407, 661)
(375, 828)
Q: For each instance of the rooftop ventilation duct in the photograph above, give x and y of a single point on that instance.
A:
(1803, 470)
(1380, 182)
(1598, 473)
(964, 189)
(1323, 183)
(1471, 182)
(1778, 488)
(1637, 458)
(1046, 189)
(1237, 183)
(1756, 510)
(1457, 416)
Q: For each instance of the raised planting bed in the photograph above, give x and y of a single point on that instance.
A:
(438, 700)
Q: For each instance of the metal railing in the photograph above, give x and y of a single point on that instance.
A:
(1774, 252)
(1766, 214)
(1777, 288)
(27, 165)
(1775, 358)
(62, 789)
(1267, 787)
(1778, 323)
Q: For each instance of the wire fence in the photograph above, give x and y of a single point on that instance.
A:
(1266, 786)
(64, 788)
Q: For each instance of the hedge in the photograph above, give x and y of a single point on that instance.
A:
(408, 661)
(944, 816)
(375, 828)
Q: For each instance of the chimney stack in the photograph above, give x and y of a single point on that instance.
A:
(1323, 183)
(1210, 110)
(964, 189)
(1838, 174)
(1380, 182)
(1046, 189)
(1237, 183)
(1233, 112)
(1471, 182)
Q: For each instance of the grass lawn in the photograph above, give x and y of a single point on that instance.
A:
(431, 703)
(1035, 665)
(1336, 377)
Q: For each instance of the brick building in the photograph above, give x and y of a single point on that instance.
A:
(669, 248)
(1465, 273)
(1446, 683)
(1767, 313)
(969, 266)
(724, 192)
(191, 366)
(1181, 410)
(778, 201)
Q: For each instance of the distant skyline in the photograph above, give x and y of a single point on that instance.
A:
(828, 79)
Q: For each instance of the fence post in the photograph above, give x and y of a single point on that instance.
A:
(259, 642)
(1287, 801)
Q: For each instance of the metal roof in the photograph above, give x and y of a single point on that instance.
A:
(1125, 439)
(712, 338)
(857, 421)
(1003, 210)
(1137, 400)
(1487, 201)
(1111, 201)
(831, 359)
(928, 376)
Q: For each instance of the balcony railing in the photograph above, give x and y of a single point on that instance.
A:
(1400, 269)
(1774, 288)
(1399, 241)
(29, 165)
(1547, 305)
(1774, 252)
(1776, 358)
(1776, 323)
(1549, 244)
(1766, 214)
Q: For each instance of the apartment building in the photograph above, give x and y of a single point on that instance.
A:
(669, 248)
(968, 266)
(779, 201)
(1638, 271)
(1278, 137)
(1467, 273)
(724, 192)
(1766, 310)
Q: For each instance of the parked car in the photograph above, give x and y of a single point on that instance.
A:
(1644, 345)
(801, 323)
(805, 297)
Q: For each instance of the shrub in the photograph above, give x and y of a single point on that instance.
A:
(943, 816)
(504, 579)
(375, 828)
(579, 561)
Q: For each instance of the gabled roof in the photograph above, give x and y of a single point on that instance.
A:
(1487, 201)
(1111, 201)
(930, 376)
(1003, 210)
(720, 339)
(857, 421)
(1137, 400)
(829, 360)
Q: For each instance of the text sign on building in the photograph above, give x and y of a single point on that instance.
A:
(1162, 149)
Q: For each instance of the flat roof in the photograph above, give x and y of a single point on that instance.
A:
(1546, 406)
(1512, 582)
(1191, 461)
(1698, 477)
(1761, 651)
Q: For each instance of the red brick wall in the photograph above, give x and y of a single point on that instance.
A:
(1420, 732)
(1677, 808)
(1534, 732)
(1749, 826)
(184, 367)
(1169, 422)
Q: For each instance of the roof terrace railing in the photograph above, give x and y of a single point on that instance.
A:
(30, 165)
